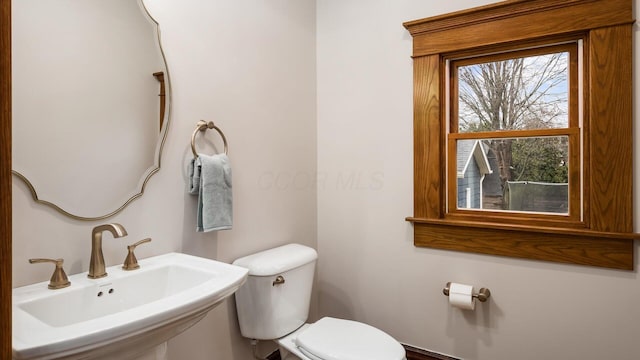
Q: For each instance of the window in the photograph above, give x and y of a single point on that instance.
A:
(522, 131)
(515, 118)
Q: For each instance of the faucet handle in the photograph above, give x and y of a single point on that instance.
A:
(59, 279)
(131, 263)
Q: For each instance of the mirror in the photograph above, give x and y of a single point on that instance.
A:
(89, 113)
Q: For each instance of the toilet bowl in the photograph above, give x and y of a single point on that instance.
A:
(337, 339)
(273, 304)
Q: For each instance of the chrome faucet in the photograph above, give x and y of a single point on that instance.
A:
(96, 266)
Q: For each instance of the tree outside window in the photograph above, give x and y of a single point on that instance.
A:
(525, 94)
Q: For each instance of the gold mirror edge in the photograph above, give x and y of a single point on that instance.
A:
(34, 196)
(165, 132)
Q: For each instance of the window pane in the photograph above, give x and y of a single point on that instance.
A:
(514, 174)
(514, 94)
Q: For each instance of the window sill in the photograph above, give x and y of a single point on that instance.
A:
(564, 245)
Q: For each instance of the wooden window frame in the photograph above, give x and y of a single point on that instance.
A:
(5, 181)
(604, 235)
(573, 131)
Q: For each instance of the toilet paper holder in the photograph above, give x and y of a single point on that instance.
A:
(482, 294)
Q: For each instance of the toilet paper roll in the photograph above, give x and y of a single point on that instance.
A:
(461, 296)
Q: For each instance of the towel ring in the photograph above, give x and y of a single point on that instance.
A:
(203, 126)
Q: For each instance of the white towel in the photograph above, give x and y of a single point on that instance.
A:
(210, 179)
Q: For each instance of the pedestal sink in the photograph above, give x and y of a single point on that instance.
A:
(122, 315)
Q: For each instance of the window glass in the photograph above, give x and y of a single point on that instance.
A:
(514, 121)
(538, 174)
(521, 93)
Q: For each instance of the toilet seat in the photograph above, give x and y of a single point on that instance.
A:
(338, 339)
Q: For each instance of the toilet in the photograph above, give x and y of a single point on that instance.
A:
(273, 304)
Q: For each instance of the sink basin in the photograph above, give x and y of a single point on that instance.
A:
(122, 315)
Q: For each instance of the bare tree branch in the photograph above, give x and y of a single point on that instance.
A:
(513, 94)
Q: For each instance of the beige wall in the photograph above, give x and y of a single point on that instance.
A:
(369, 269)
(250, 66)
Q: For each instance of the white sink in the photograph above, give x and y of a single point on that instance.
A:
(122, 315)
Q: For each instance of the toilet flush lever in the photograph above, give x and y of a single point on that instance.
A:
(278, 281)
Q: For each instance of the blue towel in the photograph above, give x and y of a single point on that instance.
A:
(210, 179)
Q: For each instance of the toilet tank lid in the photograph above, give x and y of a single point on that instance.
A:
(277, 260)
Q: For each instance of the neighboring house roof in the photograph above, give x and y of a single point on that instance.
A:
(471, 149)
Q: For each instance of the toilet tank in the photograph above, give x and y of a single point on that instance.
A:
(268, 306)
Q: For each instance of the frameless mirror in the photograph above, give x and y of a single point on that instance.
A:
(89, 104)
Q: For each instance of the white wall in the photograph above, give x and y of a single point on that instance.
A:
(250, 67)
(369, 269)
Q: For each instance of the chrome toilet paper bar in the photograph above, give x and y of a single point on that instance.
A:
(482, 294)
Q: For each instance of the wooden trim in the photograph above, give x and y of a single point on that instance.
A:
(604, 235)
(519, 20)
(507, 134)
(160, 77)
(611, 144)
(611, 252)
(274, 356)
(5, 179)
(484, 14)
(427, 149)
(414, 353)
(577, 232)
